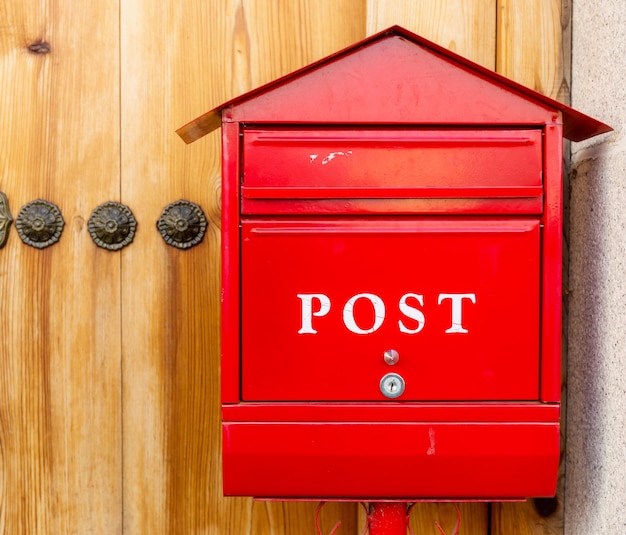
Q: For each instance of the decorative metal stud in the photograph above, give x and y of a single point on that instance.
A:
(40, 224)
(5, 219)
(182, 224)
(112, 226)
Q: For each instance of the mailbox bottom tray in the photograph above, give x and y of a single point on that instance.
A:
(403, 460)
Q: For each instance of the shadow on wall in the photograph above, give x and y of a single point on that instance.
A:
(592, 287)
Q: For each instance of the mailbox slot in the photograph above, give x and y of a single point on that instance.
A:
(322, 300)
(392, 170)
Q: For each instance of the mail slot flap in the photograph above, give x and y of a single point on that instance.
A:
(324, 300)
(391, 163)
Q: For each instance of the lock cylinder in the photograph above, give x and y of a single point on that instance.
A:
(392, 385)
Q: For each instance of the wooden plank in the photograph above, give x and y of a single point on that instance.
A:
(169, 310)
(60, 415)
(532, 50)
(466, 27)
(179, 59)
(530, 45)
(285, 36)
(473, 518)
(524, 519)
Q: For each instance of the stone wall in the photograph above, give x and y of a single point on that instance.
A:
(595, 493)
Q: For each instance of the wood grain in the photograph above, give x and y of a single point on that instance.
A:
(523, 519)
(529, 45)
(60, 415)
(465, 27)
(170, 322)
(285, 36)
(474, 519)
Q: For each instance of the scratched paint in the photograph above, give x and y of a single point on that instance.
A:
(431, 438)
(331, 156)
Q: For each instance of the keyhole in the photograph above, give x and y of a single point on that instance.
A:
(392, 385)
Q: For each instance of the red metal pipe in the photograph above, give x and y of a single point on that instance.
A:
(388, 518)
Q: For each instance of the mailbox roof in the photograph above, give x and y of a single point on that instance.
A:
(395, 76)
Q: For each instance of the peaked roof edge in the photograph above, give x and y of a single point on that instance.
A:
(577, 126)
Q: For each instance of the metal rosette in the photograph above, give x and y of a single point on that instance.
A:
(5, 219)
(39, 224)
(112, 226)
(182, 224)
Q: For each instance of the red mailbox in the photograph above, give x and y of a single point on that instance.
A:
(391, 320)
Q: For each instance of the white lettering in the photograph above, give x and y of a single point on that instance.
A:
(379, 313)
(457, 310)
(411, 312)
(307, 311)
(319, 305)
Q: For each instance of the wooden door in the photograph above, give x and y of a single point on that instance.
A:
(109, 361)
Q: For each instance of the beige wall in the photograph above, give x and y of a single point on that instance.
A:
(596, 443)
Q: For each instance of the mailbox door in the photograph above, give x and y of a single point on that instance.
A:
(323, 299)
(392, 170)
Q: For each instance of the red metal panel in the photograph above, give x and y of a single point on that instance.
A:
(230, 325)
(322, 300)
(552, 269)
(460, 205)
(386, 460)
(389, 411)
(285, 164)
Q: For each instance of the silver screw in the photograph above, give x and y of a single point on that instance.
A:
(391, 357)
